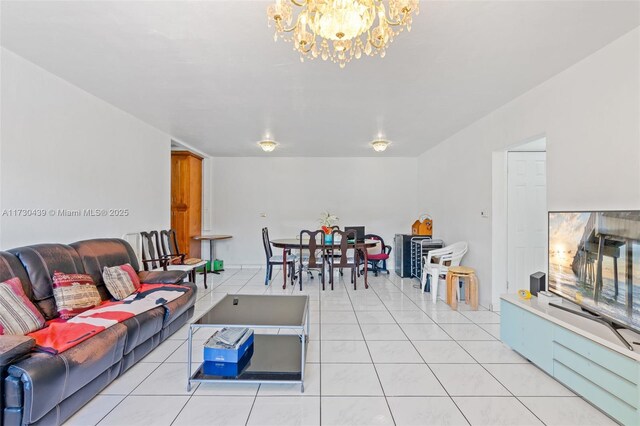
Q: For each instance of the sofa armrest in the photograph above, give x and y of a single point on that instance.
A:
(13, 347)
(162, 277)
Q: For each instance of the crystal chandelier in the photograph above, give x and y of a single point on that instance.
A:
(340, 30)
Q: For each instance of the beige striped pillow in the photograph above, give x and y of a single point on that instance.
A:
(118, 282)
(18, 316)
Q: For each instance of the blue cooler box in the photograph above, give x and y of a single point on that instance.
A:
(222, 354)
(228, 369)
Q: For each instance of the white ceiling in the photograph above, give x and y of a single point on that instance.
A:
(209, 74)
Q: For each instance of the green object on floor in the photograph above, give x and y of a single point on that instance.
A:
(208, 266)
(218, 265)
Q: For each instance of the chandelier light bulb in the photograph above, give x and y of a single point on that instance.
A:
(380, 145)
(340, 30)
(268, 145)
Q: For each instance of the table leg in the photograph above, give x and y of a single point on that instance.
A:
(212, 257)
(284, 268)
(189, 357)
(366, 266)
(303, 339)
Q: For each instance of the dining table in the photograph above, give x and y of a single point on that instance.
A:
(212, 239)
(287, 244)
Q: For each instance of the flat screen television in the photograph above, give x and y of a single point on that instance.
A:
(594, 261)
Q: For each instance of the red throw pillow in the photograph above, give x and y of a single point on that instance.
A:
(18, 315)
(132, 274)
(74, 294)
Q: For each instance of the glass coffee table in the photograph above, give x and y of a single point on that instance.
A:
(276, 358)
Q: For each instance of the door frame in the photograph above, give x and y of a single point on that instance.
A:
(499, 217)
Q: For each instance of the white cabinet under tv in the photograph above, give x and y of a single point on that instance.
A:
(582, 354)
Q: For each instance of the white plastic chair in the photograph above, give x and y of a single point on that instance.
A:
(447, 257)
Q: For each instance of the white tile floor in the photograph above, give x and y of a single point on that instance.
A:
(382, 356)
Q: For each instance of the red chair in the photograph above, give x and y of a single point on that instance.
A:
(375, 259)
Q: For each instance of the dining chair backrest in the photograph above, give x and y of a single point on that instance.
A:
(150, 250)
(316, 247)
(452, 255)
(135, 241)
(458, 250)
(169, 242)
(341, 258)
(266, 243)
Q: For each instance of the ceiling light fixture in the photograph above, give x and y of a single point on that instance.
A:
(380, 145)
(341, 30)
(268, 145)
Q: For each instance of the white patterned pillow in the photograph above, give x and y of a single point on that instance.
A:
(18, 316)
(118, 282)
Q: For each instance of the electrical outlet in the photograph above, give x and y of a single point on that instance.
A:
(484, 214)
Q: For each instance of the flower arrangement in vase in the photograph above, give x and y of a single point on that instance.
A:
(327, 220)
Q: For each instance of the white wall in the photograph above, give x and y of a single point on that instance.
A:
(589, 115)
(62, 148)
(379, 193)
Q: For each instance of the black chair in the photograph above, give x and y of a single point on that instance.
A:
(276, 259)
(316, 244)
(343, 260)
(169, 247)
(375, 259)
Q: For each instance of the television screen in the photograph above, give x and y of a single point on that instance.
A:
(594, 261)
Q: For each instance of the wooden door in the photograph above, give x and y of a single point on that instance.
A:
(186, 200)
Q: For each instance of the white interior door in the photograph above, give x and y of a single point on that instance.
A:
(526, 217)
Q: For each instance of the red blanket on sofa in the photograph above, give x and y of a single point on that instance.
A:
(61, 335)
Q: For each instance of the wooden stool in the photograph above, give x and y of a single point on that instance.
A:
(468, 275)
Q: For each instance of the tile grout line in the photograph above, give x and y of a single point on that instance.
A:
(384, 395)
(430, 369)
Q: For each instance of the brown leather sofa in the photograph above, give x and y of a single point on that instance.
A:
(40, 388)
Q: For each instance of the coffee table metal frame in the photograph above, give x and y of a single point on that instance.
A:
(302, 332)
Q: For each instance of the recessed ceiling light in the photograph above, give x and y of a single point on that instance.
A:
(380, 145)
(268, 145)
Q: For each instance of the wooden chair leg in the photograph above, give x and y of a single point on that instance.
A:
(467, 289)
(474, 292)
(454, 298)
(353, 276)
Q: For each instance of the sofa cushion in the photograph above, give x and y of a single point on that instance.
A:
(177, 307)
(162, 277)
(11, 267)
(49, 379)
(40, 261)
(98, 253)
(74, 294)
(118, 282)
(18, 316)
(141, 327)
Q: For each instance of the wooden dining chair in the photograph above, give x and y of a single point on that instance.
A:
(317, 253)
(348, 256)
(152, 258)
(178, 260)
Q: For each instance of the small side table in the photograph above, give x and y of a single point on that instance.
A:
(212, 239)
(468, 275)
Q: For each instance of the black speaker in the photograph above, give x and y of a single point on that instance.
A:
(537, 282)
